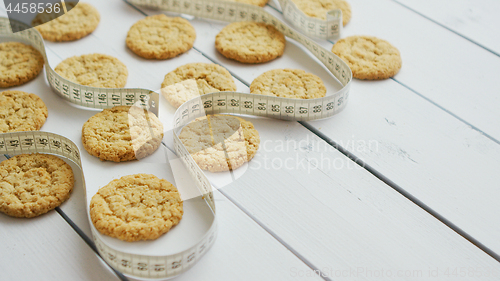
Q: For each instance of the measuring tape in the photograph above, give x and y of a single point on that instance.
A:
(233, 11)
(331, 28)
(168, 266)
(259, 105)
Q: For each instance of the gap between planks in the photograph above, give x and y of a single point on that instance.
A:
(390, 183)
(314, 269)
(364, 165)
(419, 94)
(401, 191)
(82, 235)
(89, 242)
(245, 211)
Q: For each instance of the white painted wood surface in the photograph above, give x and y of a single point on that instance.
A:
(340, 219)
(338, 216)
(252, 188)
(235, 251)
(426, 151)
(476, 20)
(47, 248)
(440, 65)
(432, 155)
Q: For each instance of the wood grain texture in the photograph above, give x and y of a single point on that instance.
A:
(242, 249)
(430, 154)
(445, 68)
(336, 214)
(47, 248)
(427, 152)
(476, 20)
(333, 213)
(319, 211)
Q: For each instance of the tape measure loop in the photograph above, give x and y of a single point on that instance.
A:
(221, 102)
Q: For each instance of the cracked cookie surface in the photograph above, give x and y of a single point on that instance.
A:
(160, 37)
(250, 42)
(81, 20)
(369, 57)
(33, 184)
(19, 63)
(95, 70)
(20, 111)
(220, 142)
(288, 83)
(122, 133)
(136, 207)
(206, 77)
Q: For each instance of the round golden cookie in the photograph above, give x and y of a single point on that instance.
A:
(160, 37)
(19, 63)
(122, 133)
(81, 20)
(319, 8)
(369, 57)
(220, 142)
(33, 184)
(250, 42)
(180, 85)
(288, 83)
(260, 3)
(20, 111)
(136, 207)
(95, 70)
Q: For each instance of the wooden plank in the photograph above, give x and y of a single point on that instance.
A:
(341, 218)
(338, 216)
(236, 229)
(438, 64)
(67, 120)
(315, 213)
(47, 248)
(242, 247)
(476, 20)
(448, 70)
(244, 251)
(430, 154)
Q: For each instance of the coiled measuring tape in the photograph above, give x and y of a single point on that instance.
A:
(171, 265)
(233, 11)
(145, 266)
(259, 105)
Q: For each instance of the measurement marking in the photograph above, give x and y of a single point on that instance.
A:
(242, 102)
(83, 236)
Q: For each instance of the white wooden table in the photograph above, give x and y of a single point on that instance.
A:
(422, 202)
